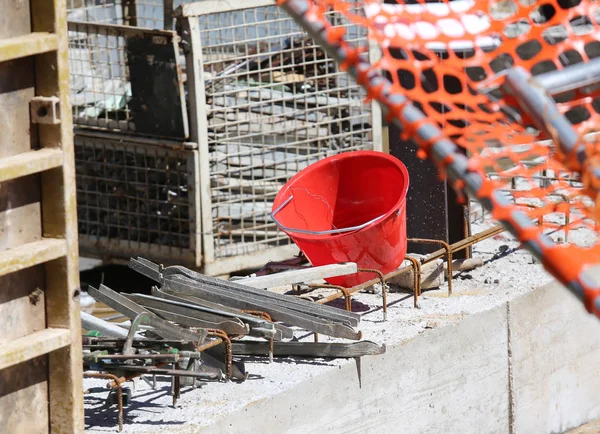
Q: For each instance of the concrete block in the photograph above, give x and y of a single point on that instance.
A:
(432, 276)
(555, 361)
(463, 265)
(449, 380)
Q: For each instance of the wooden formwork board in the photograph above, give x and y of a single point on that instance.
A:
(40, 336)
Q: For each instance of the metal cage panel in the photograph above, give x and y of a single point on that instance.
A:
(136, 198)
(150, 14)
(274, 103)
(96, 11)
(127, 79)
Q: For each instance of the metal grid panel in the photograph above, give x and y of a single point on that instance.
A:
(275, 104)
(134, 195)
(127, 79)
(139, 13)
(100, 86)
(97, 11)
(151, 13)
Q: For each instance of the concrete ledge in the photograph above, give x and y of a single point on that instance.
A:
(455, 379)
(492, 358)
(555, 362)
(451, 379)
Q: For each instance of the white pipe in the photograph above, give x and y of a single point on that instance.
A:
(90, 322)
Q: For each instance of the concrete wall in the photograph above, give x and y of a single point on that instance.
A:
(555, 362)
(528, 366)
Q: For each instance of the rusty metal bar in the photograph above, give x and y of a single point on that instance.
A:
(228, 351)
(415, 265)
(383, 288)
(266, 317)
(116, 381)
(448, 249)
(417, 279)
(467, 242)
(344, 291)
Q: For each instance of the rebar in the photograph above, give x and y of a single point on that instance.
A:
(344, 291)
(228, 352)
(448, 249)
(266, 317)
(416, 279)
(383, 288)
(117, 381)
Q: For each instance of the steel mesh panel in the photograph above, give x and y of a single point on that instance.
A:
(98, 11)
(134, 193)
(150, 13)
(100, 86)
(147, 14)
(275, 104)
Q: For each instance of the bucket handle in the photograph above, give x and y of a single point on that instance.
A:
(328, 232)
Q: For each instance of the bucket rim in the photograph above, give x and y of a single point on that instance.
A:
(284, 193)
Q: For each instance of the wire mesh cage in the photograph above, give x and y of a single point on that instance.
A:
(96, 11)
(127, 79)
(149, 14)
(274, 104)
(264, 102)
(136, 198)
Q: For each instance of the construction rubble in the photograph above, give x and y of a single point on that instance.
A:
(193, 328)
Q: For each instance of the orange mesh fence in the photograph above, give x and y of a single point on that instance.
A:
(458, 63)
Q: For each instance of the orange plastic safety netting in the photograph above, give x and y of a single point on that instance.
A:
(449, 58)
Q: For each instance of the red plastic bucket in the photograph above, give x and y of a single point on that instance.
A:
(348, 208)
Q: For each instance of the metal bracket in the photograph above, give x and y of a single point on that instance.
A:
(45, 110)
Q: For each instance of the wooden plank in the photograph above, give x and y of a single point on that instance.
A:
(254, 259)
(15, 19)
(26, 45)
(305, 275)
(23, 388)
(22, 304)
(24, 397)
(29, 163)
(32, 346)
(65, 395)
(168, 14)
(30, 254)
(119, 30)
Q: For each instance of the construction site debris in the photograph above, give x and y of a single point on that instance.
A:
(431, 276)
(463, 265)
(199, 328)
(299, 275)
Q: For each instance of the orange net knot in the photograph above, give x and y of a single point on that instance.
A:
(335, 35)
(352, 59)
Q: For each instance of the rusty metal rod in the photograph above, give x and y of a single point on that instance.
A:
(448, 249)
(345, 292)
(228, 351)
(116, 381)
(463, 244)
(266, 317)
(383, 288)
(415, 266)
